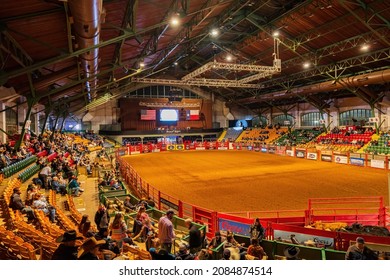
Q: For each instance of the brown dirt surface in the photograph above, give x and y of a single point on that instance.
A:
(228, 181)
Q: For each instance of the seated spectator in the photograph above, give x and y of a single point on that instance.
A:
(89, 250)
(57, 186)
(40, 203)
(16, 203)
(68, 248)
(74, 186)
(162, 254)
(127, 204)
(256, 250)
(216, 241)
(183, 253)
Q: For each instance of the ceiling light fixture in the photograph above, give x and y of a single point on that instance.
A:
(276, 33)
(214, 32)
(306, 65)
(364, 47)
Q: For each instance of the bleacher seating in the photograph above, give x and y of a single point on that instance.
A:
(297, 137)
(344, 140)
(10, 170)
(380, 147)
(232, 134)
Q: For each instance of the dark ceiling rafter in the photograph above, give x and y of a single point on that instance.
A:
(329, 33)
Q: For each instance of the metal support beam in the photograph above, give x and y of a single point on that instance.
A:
(30, 102)
(10, 46)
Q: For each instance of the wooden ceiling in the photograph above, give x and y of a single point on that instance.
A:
(66, 54)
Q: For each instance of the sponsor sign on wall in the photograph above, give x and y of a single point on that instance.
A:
(156, 150)
(271, 149)
(327, 158)
(357, 161)
(300, 153)
(290, 153)
(180, 147)
(264, 150)
(249, 148)
(340, 159)
(377, 163)
(235, 227)
(312, 156)
(169, 204)
(171, 147)
(320, 241)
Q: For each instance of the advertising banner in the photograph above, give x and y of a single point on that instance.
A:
(377, 163)
(340, 159)
(169, 204)
(312, 156)
(290, 153)
(222, 145)
(281, 150)
(263, 149)
(327, 158)
(180, 147)
(300, 153)
(187, 147)
(199, 146)
(320, 241)
(233, 226)
(171, 147)
(356, 161)
(271, 149)
(249, 148)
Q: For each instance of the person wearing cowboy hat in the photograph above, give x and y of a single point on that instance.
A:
(90, 249)
(291, 253)
(68, 248)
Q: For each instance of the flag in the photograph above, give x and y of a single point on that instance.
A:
(148, 115)
(193, 115)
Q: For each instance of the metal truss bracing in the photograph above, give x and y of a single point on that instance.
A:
(196, 82)
(234, 67)
(333, 68)
(173, 104)
(12, 48)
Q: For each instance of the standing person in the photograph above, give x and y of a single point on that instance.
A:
(257, 230)
(359, 251)
(166, 232)
(102, 220)
(118, 229)
(68, 248)
(195, 240)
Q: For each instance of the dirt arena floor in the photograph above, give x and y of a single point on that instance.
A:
(228, 181)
